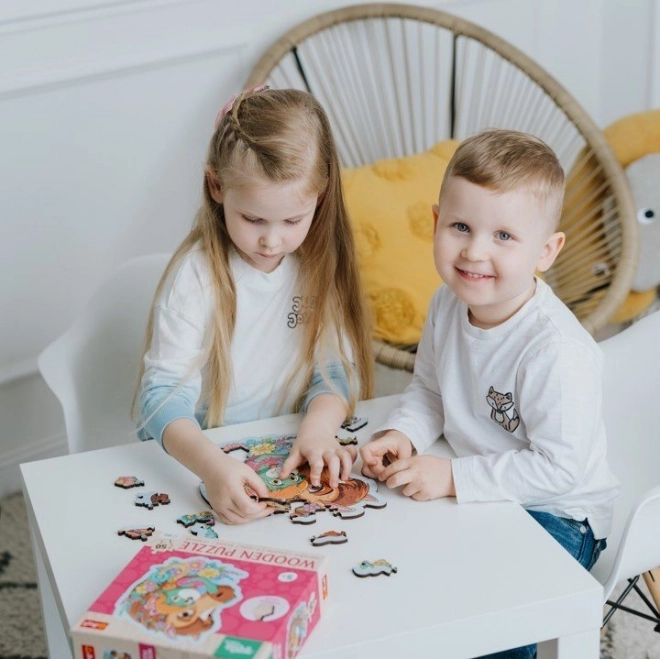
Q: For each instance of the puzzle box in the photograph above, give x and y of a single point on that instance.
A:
(186, 598)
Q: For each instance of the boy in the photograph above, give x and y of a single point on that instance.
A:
(504, 370)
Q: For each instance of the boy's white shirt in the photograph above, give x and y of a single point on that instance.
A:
(555, 460)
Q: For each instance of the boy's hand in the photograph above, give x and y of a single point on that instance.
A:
(226, 484)
(423, 477)
(320, 451)
(378, 453)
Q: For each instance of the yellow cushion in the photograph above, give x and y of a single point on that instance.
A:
(390, 205)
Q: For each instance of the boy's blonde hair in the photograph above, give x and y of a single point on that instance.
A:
(506, 160)
(280, 136)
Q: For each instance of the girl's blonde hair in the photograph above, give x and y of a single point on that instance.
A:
(281, 136)
(506, 160)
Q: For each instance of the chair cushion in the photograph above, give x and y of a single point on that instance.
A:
(390, 205)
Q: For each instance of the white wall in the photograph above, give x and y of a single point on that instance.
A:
(105, 110)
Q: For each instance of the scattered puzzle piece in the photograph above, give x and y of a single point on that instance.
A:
(139, 533)
(203, 517)
(203, 530)
(388, 459)
(306, 513)
(329, 538)
(348, 441)
(374, 568)
(354, 423)
(129, 481)
(151, 499)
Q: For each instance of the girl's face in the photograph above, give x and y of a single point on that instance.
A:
(266, 221)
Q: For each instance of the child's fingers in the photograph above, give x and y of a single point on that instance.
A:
(346, 459)
(333, 465)
(396, 474)
(254, 482)
(315, 468)
(294, 460)
(372, 468)
(365, 471)
(239, 513)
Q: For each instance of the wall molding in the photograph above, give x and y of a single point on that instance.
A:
(91, 11)
(10, 473)
(25, 369)
(73, 75)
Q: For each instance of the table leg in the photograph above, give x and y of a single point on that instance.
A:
(56, 638)
(577, 646)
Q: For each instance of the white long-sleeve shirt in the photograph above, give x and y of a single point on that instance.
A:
(520, 405)
(264, 349)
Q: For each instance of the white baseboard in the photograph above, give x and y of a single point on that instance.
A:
(10, 473)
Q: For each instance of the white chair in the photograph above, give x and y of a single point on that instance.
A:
(93, 367)
(632, 420)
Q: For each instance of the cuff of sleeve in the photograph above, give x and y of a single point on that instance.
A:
(461, 469)
(163, 417)
(336, 383)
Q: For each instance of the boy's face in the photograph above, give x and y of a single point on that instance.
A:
(488, 245)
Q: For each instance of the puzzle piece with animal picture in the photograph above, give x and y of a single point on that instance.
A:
(295, 494)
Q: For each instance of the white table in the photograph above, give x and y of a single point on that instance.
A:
(472, 578)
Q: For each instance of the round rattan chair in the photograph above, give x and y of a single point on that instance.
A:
(395, 79)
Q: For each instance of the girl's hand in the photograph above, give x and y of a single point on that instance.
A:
(319, 452)
(423, 477)
(226, 484)
(384, 449)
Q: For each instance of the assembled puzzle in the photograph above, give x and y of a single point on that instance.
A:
(187, 598)
(295, 495)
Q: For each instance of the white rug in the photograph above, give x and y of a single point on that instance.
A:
(628, 636)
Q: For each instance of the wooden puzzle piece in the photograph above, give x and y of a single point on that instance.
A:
(137, 533)
(354, 423)
(306, 513)
(374, 568)
(203, 517)
(388, 459)
(129, 481)
(203, 530)
(267, 454)
(329, 538)
(151, 499)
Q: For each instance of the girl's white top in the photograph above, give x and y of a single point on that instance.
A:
(264, 348)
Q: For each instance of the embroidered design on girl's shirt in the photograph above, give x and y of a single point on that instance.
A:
(301, 308)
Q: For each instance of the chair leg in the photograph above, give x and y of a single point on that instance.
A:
(617, 605)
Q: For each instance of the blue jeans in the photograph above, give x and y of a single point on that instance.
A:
(578, 539)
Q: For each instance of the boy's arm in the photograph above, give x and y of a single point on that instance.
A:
(419, 413)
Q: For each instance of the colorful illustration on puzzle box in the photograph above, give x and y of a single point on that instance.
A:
(182, 596)
(197, 597)
(294, 494)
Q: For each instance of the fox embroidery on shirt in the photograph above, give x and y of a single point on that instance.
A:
(502, 404)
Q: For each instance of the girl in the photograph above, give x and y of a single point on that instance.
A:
(260, 311)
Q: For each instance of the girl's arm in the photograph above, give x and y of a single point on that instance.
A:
(317, 443)
(225, 478)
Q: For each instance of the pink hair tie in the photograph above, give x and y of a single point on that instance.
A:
(230, 103)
